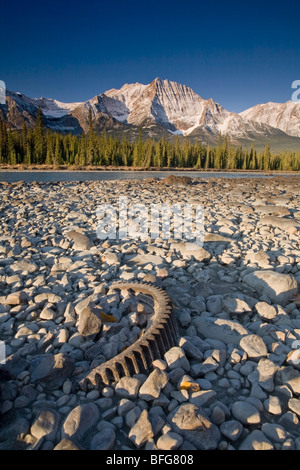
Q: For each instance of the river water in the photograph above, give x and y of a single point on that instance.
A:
(53, 176)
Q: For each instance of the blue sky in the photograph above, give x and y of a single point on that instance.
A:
(240, 53)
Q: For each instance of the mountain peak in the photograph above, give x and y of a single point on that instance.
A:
(161, 108)
(159, 83)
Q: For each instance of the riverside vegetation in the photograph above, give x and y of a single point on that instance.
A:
(233, 380)
(39, 146)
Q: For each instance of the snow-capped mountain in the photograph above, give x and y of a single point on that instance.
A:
(284, 116)
(179, 109)
(161, 108)
(19, 108)
(175, 106)
(172, 106)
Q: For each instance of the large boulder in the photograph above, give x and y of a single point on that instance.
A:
(279, 288)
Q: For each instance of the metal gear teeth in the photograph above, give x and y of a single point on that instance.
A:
(138, 358)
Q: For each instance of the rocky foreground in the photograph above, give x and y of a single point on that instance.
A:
(233, 380)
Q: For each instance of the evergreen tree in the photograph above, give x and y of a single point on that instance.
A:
(82, 150)
(218, 155)
(207, 158)
(267, 158)
(3, 142)
(224, 153)
(58, 157)
(158, 155)
(39, 138)
(91, 147)
(24, 137)
(11, 150)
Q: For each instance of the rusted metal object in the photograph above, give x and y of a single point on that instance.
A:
(159, 337)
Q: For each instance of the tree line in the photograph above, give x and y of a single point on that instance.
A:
(38, 145)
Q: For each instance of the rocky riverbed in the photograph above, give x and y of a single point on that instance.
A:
(233, 380)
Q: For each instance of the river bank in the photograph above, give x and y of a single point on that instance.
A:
(48, 174)
(23, 167)
(233, 380)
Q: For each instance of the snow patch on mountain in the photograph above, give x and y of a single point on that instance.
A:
(55, 109)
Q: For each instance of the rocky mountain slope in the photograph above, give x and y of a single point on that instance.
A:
(284, 116)
(161, 108)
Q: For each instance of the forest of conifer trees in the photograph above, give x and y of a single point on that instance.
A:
(40, 146)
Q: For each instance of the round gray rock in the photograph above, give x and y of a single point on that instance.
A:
(245, 413)
(104, 440)
(231, 429)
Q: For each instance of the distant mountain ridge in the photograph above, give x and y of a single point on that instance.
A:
(162, 108)
(284, 116)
